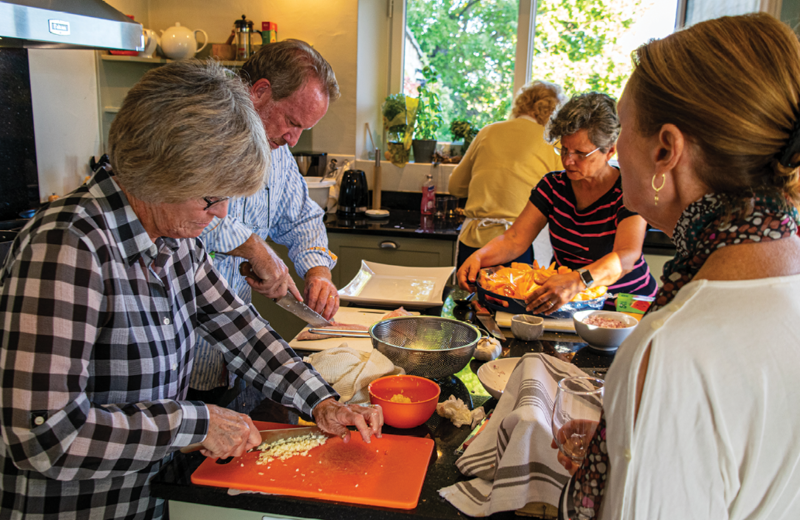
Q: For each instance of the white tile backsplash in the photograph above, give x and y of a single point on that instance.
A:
(409, 178)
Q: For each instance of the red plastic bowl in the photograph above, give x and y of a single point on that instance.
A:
(424, 395)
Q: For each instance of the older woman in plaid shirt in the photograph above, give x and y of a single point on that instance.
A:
(102, 298)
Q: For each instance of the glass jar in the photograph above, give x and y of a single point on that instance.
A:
(243, 30)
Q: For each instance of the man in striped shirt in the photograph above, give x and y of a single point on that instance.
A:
(291, 86)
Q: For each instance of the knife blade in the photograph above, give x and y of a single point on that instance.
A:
(485, 317)
(491, 326)
(269, 436)
(302, 311)
(289, 302)
(288, 433)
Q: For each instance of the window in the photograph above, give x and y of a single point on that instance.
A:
(483, 50)
(472, 46)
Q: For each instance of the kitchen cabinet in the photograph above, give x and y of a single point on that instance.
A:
(409, 252)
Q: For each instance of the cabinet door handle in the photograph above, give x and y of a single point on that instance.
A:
(388, 244)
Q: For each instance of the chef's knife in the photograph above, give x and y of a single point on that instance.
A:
(269, 436)
(485, 317)
(302, 311)
(289, 302)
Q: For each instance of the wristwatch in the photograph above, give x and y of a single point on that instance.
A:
(586, 277)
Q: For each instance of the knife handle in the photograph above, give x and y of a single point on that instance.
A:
(480, 310)
(192, 447)
(246, 270)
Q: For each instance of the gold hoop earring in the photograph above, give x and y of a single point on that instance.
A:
(663, 183)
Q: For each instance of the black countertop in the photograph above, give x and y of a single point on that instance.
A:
(400, 223)
(406, 221)
(173, 482)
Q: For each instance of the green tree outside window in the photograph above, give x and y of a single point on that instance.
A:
(472, 45)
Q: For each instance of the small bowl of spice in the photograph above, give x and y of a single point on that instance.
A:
(604, 330)
(407, 401)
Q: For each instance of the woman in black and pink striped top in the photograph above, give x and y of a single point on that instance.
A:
(590, 230)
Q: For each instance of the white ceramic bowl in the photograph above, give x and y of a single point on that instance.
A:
(527, 327)
(494, 375)
(602, 338)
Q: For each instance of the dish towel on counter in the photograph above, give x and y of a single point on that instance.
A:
(512, 458)
(350, 371)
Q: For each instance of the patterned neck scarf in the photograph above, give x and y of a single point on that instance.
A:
(703, 228)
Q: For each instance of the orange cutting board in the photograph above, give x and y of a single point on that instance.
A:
(387, 472)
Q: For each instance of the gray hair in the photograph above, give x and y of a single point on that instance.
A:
(594, 112)
(538, 99)
(288, 65)
(188, 130)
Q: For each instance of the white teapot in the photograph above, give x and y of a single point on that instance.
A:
(151, 43)
(179, 43)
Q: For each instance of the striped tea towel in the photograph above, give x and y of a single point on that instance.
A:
(512, 458)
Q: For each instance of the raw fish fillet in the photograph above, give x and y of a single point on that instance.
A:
(396, 313)
(309, 336)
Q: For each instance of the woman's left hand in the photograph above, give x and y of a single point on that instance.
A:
(333, 417)
(555, 292)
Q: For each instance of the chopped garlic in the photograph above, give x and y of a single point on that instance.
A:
(400, 398)
(286, 448)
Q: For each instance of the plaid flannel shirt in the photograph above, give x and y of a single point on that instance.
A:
(97, 325)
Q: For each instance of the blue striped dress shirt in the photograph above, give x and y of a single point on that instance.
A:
(284, 212)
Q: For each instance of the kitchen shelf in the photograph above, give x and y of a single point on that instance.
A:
(116, 75)
(134, 59)
(159, 61)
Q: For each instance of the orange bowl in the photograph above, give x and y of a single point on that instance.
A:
(423, 393)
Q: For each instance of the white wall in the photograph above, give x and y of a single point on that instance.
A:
(138, 8)
(65, 117)
(372, 73)
(328, 25)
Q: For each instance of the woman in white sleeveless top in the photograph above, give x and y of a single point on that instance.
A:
(701, 401)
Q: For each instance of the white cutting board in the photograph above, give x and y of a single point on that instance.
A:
(503, 319)
(349, 315)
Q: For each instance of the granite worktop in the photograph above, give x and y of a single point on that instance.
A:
(400, 223)
(405, 220)
(174, 481)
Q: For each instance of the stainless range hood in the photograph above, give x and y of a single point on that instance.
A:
(67, 24)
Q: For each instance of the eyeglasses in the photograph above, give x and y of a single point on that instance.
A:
(579, 156)
(210, 201)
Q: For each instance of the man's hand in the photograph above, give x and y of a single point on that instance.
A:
(274, 278)
(230, 434)
(333, 417)
(321, 295)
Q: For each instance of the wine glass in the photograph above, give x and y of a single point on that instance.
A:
(576, 414)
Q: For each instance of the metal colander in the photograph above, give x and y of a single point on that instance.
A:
(424, 345)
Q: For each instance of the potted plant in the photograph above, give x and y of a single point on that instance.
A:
(463, 130)
(429, 118)
(399, 113)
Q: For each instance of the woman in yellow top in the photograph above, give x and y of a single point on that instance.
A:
(504, 162)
